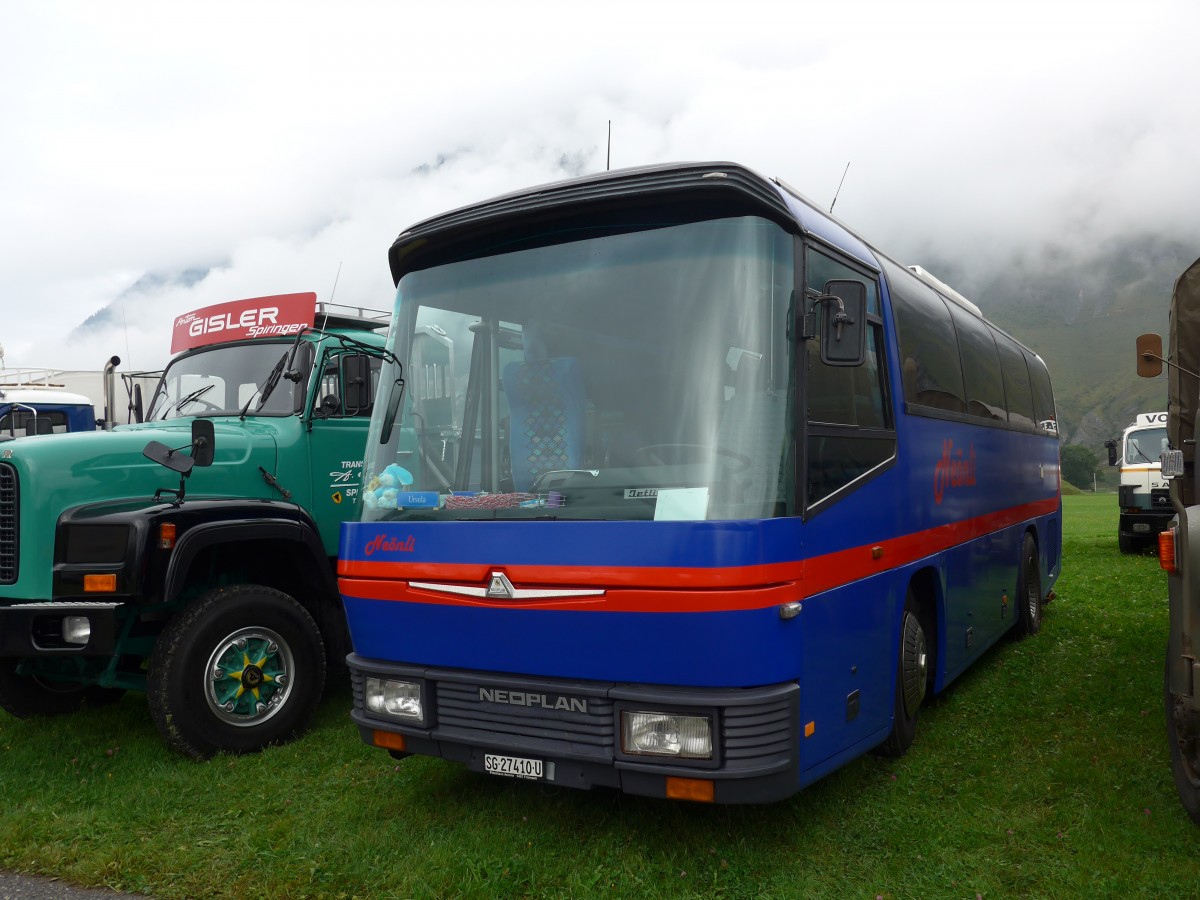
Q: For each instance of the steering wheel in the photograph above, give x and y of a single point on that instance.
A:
(665, 454)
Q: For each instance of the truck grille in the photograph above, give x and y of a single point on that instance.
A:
(10, 524)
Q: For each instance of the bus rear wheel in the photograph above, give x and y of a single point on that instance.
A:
(1029, 589)
(240, 669)
(912, 680)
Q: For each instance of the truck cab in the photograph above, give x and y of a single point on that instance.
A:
(1143, 494)
(191, 554)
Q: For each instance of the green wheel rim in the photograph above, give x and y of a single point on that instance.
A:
(249, 676)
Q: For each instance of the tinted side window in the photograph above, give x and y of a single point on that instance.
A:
(1017, 390)
(1043, 393)
(980, 365)
(928, 345)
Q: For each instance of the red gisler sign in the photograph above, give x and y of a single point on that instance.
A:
(279, 316)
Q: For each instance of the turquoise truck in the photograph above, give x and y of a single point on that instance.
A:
(191, 554)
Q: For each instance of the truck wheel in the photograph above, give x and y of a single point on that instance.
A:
(24, 696)
(238, 670)
(1128, 544)
(1185, 756)
(912, 681)
(1029, 590)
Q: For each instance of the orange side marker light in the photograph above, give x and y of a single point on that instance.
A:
(388, 740)
(689, 789)
(1166, 550)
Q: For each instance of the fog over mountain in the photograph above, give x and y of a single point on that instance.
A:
(1039, 157)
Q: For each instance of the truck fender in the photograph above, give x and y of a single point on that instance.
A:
(209, 534)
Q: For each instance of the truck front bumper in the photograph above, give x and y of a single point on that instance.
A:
(49, 628)
(1144, 524)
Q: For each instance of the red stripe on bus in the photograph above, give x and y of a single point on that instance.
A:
(666, 589)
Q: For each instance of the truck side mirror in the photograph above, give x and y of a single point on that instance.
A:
(204, 444)
(843, 323)
(1149, 355)
(1112, 452)
(356, 382)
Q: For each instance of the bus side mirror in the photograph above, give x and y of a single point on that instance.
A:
(844, 323)
(1112, 452)
(1149, 355)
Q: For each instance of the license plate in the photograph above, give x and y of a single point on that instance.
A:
(1141, 527)
(516, 767)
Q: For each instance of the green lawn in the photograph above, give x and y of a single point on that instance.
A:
(1042, 772)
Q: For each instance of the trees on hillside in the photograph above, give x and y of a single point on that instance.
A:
(1079, 465)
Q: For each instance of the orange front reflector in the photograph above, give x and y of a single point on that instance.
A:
(1166, 550)
(810, 729)
(689, 789)
(166, 535)
(387, 740)
(100, 583)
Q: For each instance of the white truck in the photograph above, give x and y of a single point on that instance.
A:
(1143, 493)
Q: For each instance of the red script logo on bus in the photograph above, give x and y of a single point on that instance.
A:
(388, 545)
(953, 469)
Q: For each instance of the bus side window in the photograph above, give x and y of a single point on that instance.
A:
(1043, 395)
(981, 366)
(1017, 390)
(931, 368)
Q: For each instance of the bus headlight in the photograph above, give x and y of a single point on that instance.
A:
(401, 699)
(666, 734)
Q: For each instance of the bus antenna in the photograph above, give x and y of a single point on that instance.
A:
(608, 161)
(839, 188)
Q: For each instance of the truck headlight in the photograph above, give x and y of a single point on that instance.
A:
(666, 734)
(401, 699)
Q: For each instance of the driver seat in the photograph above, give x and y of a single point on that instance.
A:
(547, 413)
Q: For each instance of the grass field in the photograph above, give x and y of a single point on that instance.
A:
(1043, 772)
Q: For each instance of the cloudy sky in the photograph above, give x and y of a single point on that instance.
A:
(278, 147)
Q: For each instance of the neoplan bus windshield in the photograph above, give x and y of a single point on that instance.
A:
(639, 374)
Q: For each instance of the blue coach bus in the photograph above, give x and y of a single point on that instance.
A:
(686, 490)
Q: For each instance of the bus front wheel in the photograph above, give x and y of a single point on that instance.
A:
(912, 680)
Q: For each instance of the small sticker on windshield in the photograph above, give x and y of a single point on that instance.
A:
(641, 493)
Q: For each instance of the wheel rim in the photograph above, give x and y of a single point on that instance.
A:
(915, 664)
(1032, 588)
(249, 676)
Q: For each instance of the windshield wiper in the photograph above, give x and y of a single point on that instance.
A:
(194, 395)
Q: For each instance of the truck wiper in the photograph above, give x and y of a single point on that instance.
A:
(268, 386)
(194, 395)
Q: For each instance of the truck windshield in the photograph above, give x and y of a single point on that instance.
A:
(221, 380)
(1145, 446)
(635, 372)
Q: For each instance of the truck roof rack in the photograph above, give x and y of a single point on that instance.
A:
(337, 315)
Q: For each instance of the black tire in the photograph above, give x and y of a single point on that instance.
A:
(1185, 755)
(912, 680)
(1029, 590)
(25, 696)
(1129, 544)
(240, 669)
